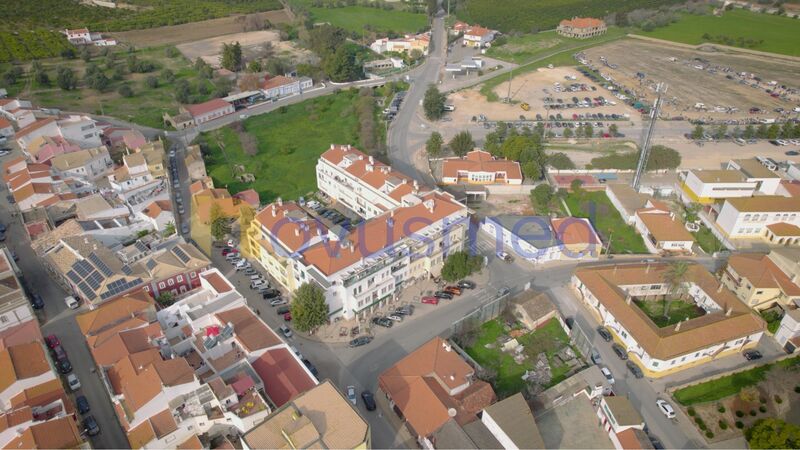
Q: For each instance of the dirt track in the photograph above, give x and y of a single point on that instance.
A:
(188, 32)
(210, 49)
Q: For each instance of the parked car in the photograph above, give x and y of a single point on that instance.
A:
(286, 331)
(287, 317)
(665, 408)
(277, 301)
(250, 271)
(369, 400)
(73, 382)
(52, 341)
(752, 355)
(37, 301)
(351, 394)
(455, 290)
(64, 366)
(58, 352)
(505, 257)
(311, 367)
(596, 357)
(395, 317)
(443, 294)
(604, 333)
(282, 310)
(430, 300)
(635, 370)
(72, 302)
(406, 310)
(383, 321)
(620, 351)
(607, 373)
(359, 341)
(227, 250)
(82, 403)
(271, 293)
(90, 426)
(466, 284)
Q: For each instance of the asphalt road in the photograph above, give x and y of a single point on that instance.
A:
(57, 319)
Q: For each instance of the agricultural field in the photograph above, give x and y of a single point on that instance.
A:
(26, 45)
(596, 207)
(521, 49)
(766, 32)
(355, 18)
(527, 15)
(289, 142)
(145, 107)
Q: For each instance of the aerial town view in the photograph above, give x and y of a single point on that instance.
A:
(400, 224)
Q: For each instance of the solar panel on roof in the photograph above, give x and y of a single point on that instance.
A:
(95, 279)
(141, 247)
(82, 268)
(101, 266)
(181, 254)
(73, 277)
(126, 269)
(87, 291)
(151, 264)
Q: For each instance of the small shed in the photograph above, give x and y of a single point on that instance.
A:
(535, 311)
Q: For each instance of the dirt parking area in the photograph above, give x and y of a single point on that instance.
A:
(187, 32)
(699, 76)
(532, 88)
(254, 44)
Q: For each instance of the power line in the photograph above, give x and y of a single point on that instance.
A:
(661, 89)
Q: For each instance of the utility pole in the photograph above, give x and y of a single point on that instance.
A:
(508, 97)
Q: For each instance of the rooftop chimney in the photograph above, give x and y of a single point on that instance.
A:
(729, 311)
(279, 201)
(297, 232)
(370, 167)
(719, 289)
(678, 326)
(274, 211)
(333, 146)
(371, 160)
(628, 299)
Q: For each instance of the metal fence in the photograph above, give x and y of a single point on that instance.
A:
(481, 314)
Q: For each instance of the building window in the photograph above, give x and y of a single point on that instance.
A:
(655, 287)
(162, 285)
(192, 275)
(3, 319)
(759, 292)
(171, 282)
(655, 363)
(180, 278)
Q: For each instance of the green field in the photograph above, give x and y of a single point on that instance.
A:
(354, 18)
(779, 34)
(289, 140)
(596, 207)
(529, 15)
(145, 107)
(732, 384)
(523, 48)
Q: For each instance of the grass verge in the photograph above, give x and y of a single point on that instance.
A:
(596, 207)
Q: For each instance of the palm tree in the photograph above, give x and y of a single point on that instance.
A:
(675, 278)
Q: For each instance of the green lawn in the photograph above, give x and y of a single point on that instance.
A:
(678, 310)
(723, 387)
(773, 319)
(550, 338)
(527, 47)
(707, 241)
(353, 18)
(596, 207)
(779, 34)
(290, 141)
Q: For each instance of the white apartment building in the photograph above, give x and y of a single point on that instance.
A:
(88, 164)
(726, 326)
(707, 186)
(15, 308)
(749, 217)
(133, 176)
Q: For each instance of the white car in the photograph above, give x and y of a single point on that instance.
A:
(607, 373)
(351, 394)
(73, 382)
(666, 408)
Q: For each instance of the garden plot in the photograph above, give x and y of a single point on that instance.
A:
(695, 76)
(254, 44)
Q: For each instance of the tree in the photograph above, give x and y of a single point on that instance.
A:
(309, 309)
(39, 74)
(232, 56)
(762, 132)
(541, 196)
(675, 277)
(151, 81)
(613, 131)
(588, 131)
(461, 143)
(97, 80)
(434, 145)
(749, 132)
(568, 133)
(460, 264)
(169, 229)
(576, 186)
(125, 91)
(433, 103)
(165, 298)
(698, 132)
(342, 65)
(772, 131)
(773, 433)
(182, 91)
(168, 75)
(171, 52)
(532, 170)
(66, 79)
(219, 222)
(86, 54)
(254, 66)
(720, 131)
(560, 161)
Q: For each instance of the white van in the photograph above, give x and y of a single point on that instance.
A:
(72, 302)
(255, 278)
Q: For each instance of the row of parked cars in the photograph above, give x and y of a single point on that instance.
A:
(65, 367)
(448, 293)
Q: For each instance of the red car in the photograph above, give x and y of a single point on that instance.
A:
(52, 341)
(227, 250)
(430, 300)
(287, 317)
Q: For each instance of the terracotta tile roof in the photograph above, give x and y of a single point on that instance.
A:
(206, 107)
(163, 423)
(113, 312)
(582, 22)
(277, 81)
(369, 170)
(376, 235)
(33, 127)
(664, 228)
(792, 187)
(141, 435)
(283, 376)
(481, 161)
(157, 207)
(575, 231)
(133, 337)
(20, 362)
(250, 331)
(41, 395)
(762, 273)
(16, 417)
(193, 442)
(665, 343)
(765, 203)
(249, 196)
(219, 283)
(290, 225)
(419, 383)
(23, 333)
(784, 229)
(56, 433)
(4, 123)
(477, 30)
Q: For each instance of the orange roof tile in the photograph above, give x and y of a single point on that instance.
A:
(157, 207)
(784, 229)
(192, 443)
(574, 231)
(290, 225)
(250, 331)
(481, 161)
(582, 22)
(762, 273)
(33, 127)
(206, 107)
(141, 435)
(163, 423)
(220, 284)
(111, 313)
(283, 376)
(664, 228)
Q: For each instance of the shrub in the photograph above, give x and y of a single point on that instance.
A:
(762, 400)
(702, 426)
(691, 411)
(753, 412)
(739, 414)
(778, 399)
(797, 389)
(723, 425)
(125, 91)
(762, 408)
(709, 434)
(721, 409)
(739, 424)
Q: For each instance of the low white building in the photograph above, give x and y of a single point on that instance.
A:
(158, 214)
(78, 129)
(280, 86)
(133, 177)
(210, 110)
(87, 164)
(788, 334)
(724, 324)
(750, 217)
(478, 36)
(541, 239)
(661, 231)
